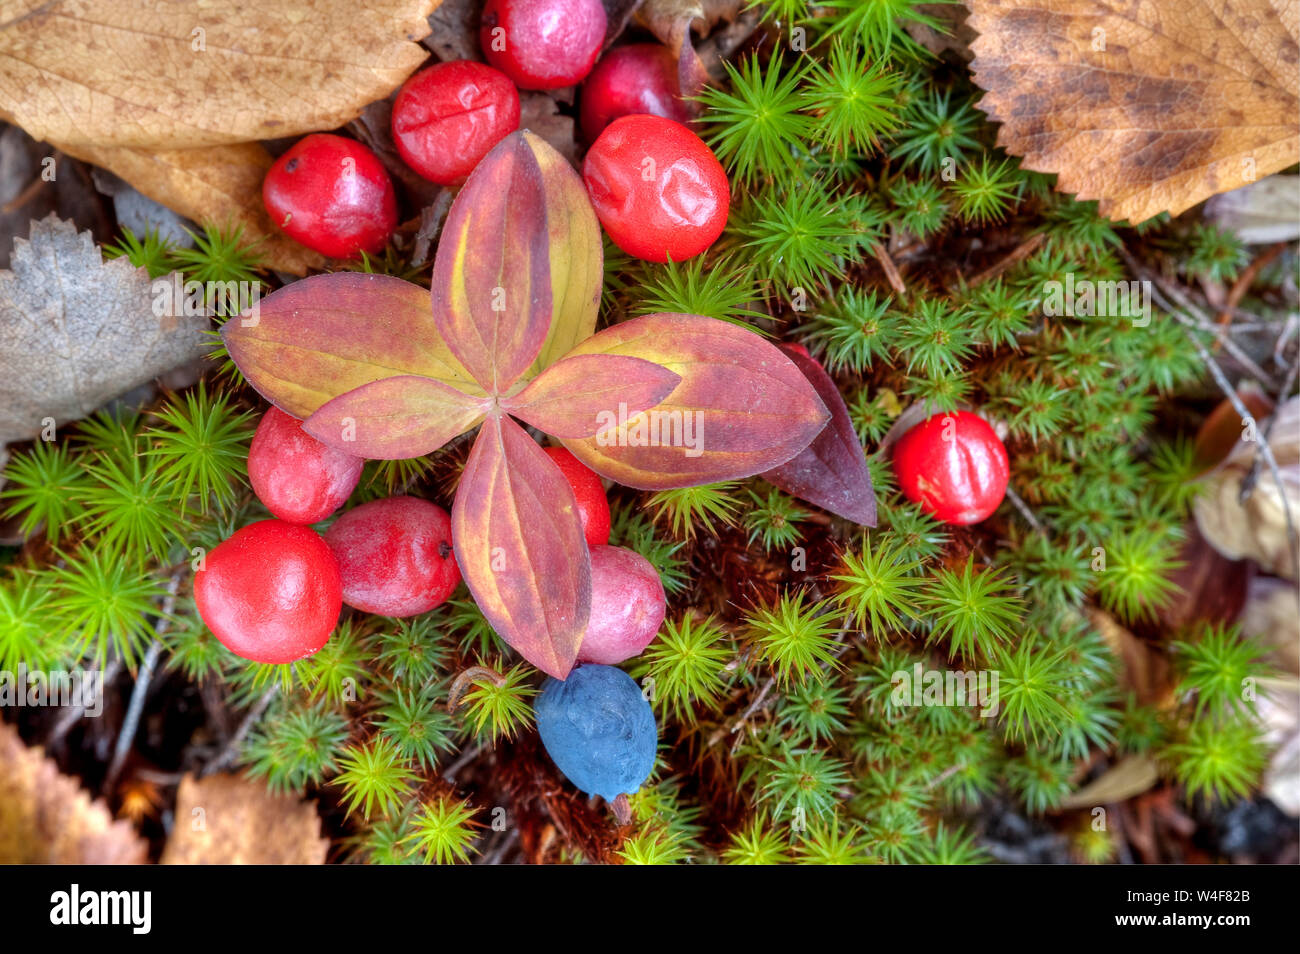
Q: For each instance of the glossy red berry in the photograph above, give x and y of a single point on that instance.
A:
(657, 188)
(627, 606)
(448, 117)
(299, 479)
(593, 505)
(640, 78)
(271, 592)
(953, 465)
(543, 44)
(332, 195)
(395, 556)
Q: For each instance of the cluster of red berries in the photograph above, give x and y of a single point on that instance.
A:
(656, 187)
(273, 591)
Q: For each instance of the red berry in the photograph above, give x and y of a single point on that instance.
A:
(954, 466)
(271, 592)
(657, 188)
(332, 195)
(299, 479)
(543, 44)
(448, 117)
(641, 78)
(395, 556)
(593, 506)
(627, 606)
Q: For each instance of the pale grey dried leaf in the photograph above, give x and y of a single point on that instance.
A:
(1260, 213)
(76, 331)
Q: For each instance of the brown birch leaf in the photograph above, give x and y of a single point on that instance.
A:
(228, 820)
(47, 818)
(1145, 105)
(185, 73)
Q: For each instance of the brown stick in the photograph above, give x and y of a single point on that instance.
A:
(890, 269)
(1242, 285)
(1018, 254)
(22, 198)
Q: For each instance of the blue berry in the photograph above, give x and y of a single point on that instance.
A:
(599, 729)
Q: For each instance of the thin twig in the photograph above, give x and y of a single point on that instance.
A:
(140, 691)
(231, 747)
(943, 776)
(467, 756)
(1022, 251)
(1024, 510)
(753, 706)
(22, 198)
(505, 844)
(460, 685)
(1243, 283)
(126, 735)
(1252, 478)
(74, 714)
(890, 269)
(1121, 839)
(1194, 317)
(1248, 419)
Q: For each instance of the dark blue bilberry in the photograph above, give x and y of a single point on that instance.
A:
(599, 729)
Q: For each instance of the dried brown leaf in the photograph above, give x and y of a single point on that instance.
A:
(221, 184)
(185, 73)
(671, 20)
(228, 820)
(1128, 777)
(455, 30)
(1146, 105)
(47, 818)
(1256, 528)
(1143, 671)
(76, 331)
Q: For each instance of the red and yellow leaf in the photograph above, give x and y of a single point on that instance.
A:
(577, 255)
(741, 407)
(394, 418)
(580, 395)
(518, 262)
(520, 546)
(321, 337)
(831, 472)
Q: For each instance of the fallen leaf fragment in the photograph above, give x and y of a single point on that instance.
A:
(47, 818)
(1143, 671)
(228, 820)
(1128, 777)
(186, 73)
(219, 185)
(672, 20)
(76, 331)
(1264, 212)
(1147, 106)
(1256, 528)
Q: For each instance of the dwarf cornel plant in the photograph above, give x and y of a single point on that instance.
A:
(504, 336)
